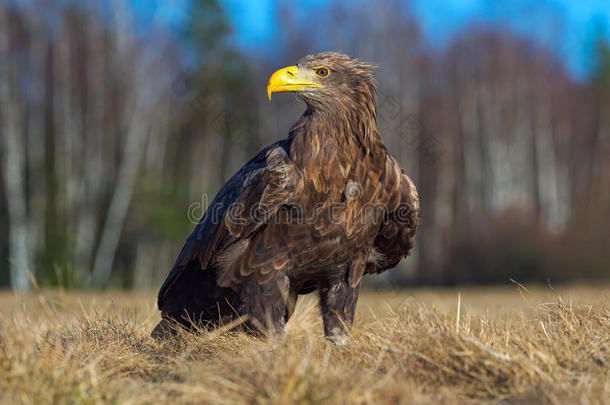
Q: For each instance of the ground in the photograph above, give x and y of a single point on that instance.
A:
(496, 345)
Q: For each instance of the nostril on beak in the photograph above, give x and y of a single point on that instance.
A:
(290, 74)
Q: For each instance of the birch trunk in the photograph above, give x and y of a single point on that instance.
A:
(93, 164)
(14, 165)
(36, 151)
(119, 205)
(135, 141)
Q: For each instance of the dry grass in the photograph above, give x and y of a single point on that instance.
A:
(509, 346)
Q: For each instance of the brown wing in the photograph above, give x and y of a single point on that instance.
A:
(395, 238)
(241, 208)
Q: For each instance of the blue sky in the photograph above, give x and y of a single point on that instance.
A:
(569, 27)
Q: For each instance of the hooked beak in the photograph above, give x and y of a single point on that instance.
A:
(289, 79)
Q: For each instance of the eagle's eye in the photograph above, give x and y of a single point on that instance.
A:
(321, 71)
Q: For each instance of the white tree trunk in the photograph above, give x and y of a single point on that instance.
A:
(36, 145)
(136, 136)
(13, 166)
(119, 205)
(92, 182)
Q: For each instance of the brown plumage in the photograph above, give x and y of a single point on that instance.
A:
(312, 212)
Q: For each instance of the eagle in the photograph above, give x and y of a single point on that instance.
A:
(310, 213)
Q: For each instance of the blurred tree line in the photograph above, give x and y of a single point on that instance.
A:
(113, 140)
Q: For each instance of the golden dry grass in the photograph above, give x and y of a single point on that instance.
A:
(509, 346)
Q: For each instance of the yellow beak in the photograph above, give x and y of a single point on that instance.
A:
(289, 79)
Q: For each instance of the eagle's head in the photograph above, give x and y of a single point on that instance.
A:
(327, 81)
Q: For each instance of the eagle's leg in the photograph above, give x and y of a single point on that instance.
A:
(265, 306)
(338, 305)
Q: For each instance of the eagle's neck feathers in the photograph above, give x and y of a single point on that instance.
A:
(327, 144)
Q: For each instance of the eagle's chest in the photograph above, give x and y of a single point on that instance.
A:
(348, 203)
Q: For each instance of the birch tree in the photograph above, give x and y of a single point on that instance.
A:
(14, 162)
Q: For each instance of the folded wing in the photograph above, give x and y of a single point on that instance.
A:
(241, 208)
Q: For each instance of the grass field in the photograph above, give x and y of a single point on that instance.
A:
(498, 345)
